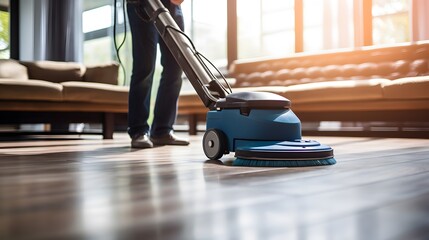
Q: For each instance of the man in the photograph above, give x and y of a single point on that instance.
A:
(144, 48)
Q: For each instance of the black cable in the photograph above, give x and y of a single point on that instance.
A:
(199, 55)
(117, 48)
(220, 73)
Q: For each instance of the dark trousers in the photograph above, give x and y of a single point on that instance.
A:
(145, 39)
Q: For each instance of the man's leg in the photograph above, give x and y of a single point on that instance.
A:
(169, 88)
(144, 43)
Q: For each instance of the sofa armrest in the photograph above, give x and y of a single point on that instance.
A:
(12, 69)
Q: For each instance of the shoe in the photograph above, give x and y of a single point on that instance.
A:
(141, 141)
(169, 139)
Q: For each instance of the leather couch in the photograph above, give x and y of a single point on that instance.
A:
(61, 92)
(387, 84)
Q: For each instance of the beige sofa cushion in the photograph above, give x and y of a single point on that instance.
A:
(12, 69)
(347, 90)
(55, 71)
(94, 92)
(407, 88)
(107, 73)
(12, 89)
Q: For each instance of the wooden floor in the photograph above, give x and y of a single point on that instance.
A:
(90, 188)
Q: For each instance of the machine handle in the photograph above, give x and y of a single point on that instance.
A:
(184, 52)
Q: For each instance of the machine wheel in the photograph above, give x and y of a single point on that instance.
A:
(214, 144)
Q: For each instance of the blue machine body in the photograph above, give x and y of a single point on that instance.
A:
(260, 127)
(265, 137)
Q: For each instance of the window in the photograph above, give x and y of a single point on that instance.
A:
(4, 32)
(391, 21)
(96, 24)
(207, 26)
(97, 51)
(265, 27)
(98, 47)
(328, 24)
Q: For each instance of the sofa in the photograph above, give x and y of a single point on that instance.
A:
(383, 90)
(373, 87)
(52, 92)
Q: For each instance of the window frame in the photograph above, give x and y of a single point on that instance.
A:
(362, 22)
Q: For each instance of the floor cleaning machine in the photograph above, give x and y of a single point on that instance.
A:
(259, 127)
